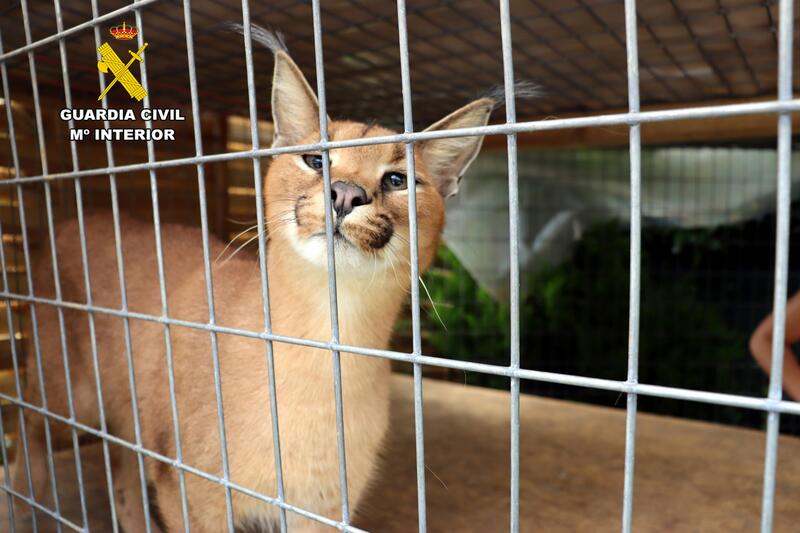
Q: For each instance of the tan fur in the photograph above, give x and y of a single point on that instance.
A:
(372, 283)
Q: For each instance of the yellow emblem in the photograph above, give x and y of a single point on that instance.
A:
(112, 62)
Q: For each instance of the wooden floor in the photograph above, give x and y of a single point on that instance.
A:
(690, 476)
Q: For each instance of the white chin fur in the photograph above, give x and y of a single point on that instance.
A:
(349, 258)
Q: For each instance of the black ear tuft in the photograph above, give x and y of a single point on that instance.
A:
(522, 89)
(273, 40)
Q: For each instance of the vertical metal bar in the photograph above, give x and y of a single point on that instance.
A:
(781, 259)
(128, 343)
(86, 274)
(513, 237)
(54, 259)
(262, 257)
(6, 476)
(334, 306)
(121, 278)
(34, 321)
(18, 390)
(201, 186)
(117, 239)
(408, 127)
(126, 320)
(160, 260)
(635, 147)
(12, 338)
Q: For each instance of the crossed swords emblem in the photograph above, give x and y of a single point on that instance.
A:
(121, 72)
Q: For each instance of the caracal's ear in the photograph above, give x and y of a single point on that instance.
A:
(295, 108)
(448, 159)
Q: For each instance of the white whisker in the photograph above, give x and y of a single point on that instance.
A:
(231, 242)
(374, 269)
(248, 241)
(427, 292)
(392, 258)
(437, 477)
(430, 299)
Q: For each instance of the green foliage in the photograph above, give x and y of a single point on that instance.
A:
(470, 324)
(574, 319)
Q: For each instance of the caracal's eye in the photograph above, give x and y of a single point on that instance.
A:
(394, 181)
(314, 161)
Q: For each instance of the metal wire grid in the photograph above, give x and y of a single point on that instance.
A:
(689, 52)
(773, 404)
(733, 282)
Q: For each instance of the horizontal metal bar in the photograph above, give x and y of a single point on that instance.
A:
(716, 398)
(644, 117)
(175, 464)
(75, 29)
(55, 516)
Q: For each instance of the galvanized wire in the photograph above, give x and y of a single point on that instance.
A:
(201, 188)
(413, 244)
(596, 121)
(12, 527)
(262, 260)
(54, 261)
(18, 391)
(675, 393)
(173, 463)
(577, 57)
(34, 323)
(773, 404)
(57, 517)
(333, 301)
(86, 275)
(635, 146)
(12, 340)
(112, 179)
(513, 237)
(784, 199)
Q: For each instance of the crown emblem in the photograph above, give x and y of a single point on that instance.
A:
(124, 32)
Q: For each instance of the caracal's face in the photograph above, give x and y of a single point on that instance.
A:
(369, 203)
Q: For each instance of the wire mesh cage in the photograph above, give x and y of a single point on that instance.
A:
(596, 252)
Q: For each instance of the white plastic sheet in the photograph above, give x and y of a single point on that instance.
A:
(564, 191)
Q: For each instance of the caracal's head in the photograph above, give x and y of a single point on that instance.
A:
(369, 184)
